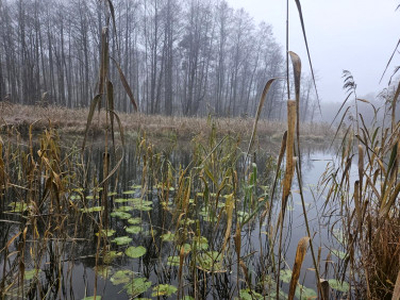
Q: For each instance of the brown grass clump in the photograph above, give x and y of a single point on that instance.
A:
(365, 187)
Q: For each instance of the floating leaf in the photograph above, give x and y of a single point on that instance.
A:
(18, 207)
(134, 221)
(121, 215)
(173, 261)
(121, 200)
(249, 295)
(286, 275)
(136, 186)
(201, 243)
(92, 209)
(137, 286)
(163, 290)
(104, 271)
(339, 254)
(92, 298)
(112, 194)
(122, 276)
(124, 208)
(30, 274)
(339, 285)
(122, 240)
(186, 248)
(210, 260)
(135, 252)
(106, 232)
(133, 229)
(110, 256)
(130, 192)
(168, 237)
(305, 293)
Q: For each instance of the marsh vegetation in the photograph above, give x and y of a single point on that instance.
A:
(226, 216)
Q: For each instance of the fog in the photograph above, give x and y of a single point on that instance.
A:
(357, 35)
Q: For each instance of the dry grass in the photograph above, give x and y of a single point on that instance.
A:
(73, 121)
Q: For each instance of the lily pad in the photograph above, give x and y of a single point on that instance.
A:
(121, 214)
(135, 252)
(305, 293)
(339, 254)
(105, 232)
(125, 208)
(168, 237)
(173, 261)
(164, 290)
(92, 209)
(122, 240)
(30, 274)
(286, 275)
(134, 221)
(18, 207)
(122, 276)
(340, 286)
(110, 256)
(133, 229)
(92, 298)
(137, 286)
(130, 192)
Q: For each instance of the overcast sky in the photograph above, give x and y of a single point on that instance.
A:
(354, 35)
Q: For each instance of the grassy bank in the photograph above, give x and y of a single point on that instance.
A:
(73, 122)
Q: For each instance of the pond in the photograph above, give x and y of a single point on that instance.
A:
(188, 220)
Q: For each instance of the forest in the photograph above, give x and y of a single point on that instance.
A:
(182, 58)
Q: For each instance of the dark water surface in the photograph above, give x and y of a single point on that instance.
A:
(73, 277)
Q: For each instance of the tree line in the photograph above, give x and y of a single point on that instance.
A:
(180, 57)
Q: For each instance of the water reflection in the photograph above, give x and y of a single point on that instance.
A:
(147, 174)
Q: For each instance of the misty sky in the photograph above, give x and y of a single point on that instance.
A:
(357, 35)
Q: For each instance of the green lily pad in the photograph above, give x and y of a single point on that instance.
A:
(130, 192)
(105, 232)
(133, 229)
(168, 237)
(104, 271)
(137, 286)
(305, 293)
(121, 200)
(110, 256)
(112, 194)
(121, 214)
(134, 221)
(122, 276)
(122, 240)
(339, 254)
(92, 209)
(286, 275)
(18, 207)
(186, 248)
(124, 208)
(340, 286)
(173, 261)
(92, 298)
(245, 295)
(163, 290)
(201, 243)
(30, 274)
(135, 252)
(210, 260)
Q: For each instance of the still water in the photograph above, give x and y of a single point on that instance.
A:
(176, 253)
